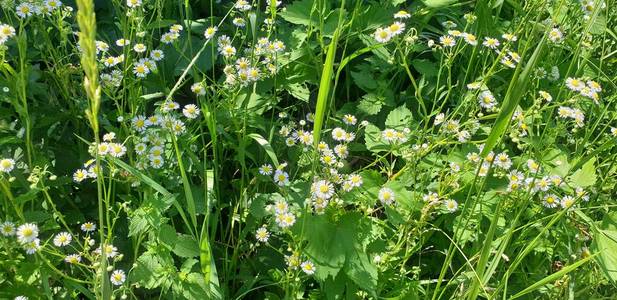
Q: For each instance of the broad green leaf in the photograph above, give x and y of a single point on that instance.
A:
(298, 12)
(585, 176)
(438, 3)
(371, 104)
(425, 67)
(186, 246)
(299, 91)
(605, 244)
(373, 140)
(399, 118)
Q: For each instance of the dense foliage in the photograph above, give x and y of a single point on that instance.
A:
(308, 149)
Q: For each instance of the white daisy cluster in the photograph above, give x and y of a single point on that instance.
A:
(575, 114)
(27, 235)
(393, 137)
(27, 9)
(259, 63)
(452, 128)
(294, 262)
(532, 178)
(385, 34)
(590, 89)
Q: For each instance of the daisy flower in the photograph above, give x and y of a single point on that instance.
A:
(24, 10)
(401, 14)
(80, 175)
(575, 84)
(491, 43)
(487, 100)
(509, 37)
(397, 28)
(27, 232)
(550, 201)
(339, 134)
(239, 22)
(72, 258)
(262, 234)
(470, 39)
(546, 96)
(451, 205)
(265, 170)
(156, 162)
(308, 267)
(386, 196)
(323, 189)
(32, 246)
(382, 35)
(447, 41)
(141, 70)
(350, 119)
(191, 111)
(117, 277)
(210, 32)
(281, 177)
(7, 228)
(7, 165)
(62, 239)
(139, 48)
(88, 227)
(133, 3)
(157, 55)
(567, 202)
(122, 42)
(555, 35)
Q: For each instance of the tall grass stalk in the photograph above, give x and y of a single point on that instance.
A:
(87, 37)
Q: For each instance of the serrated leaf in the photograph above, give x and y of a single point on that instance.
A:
(186, 246)
(399, 118)
(373, 140)
(371, 104)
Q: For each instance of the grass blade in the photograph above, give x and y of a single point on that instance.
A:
(515, 92)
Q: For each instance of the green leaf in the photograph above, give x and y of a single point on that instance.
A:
(425, 67)
(605, 243)
(299, 91)
(335, 244)
(299, 12)
(585, 176)
(371, 104)
(438, 3)
(266, 146)
(364, 79)
(186, 246)
(399, 118)
(373, 140)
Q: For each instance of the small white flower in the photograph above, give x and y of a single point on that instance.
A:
(27, 232)
(308, 268)
(73, 258)
(7, 165)
(62, 239)
(262, 234)
(133, 3)
(386, 196)
(451, 205)
(382, 35)
(191, 111)
(7, 228)
(117, 277)
(88, 227)
(210, 32)
(281, 177)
